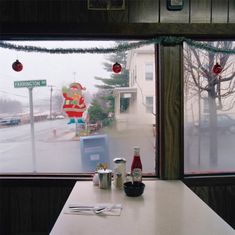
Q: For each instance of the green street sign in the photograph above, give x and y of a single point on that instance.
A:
(30, 83)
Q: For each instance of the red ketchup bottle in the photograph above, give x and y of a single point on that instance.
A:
(136, 166)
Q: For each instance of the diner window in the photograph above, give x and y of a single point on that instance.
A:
(209, 110)
(148, 71)
(66, 113)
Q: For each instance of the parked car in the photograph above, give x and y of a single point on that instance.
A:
(52, 117)
(10, 121)
(59, 117)
(224, 124)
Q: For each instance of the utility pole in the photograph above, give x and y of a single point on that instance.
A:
(51, 90)
(74, 76)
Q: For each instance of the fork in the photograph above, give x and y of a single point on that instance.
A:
(97, 210)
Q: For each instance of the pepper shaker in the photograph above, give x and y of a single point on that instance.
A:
(119, 172)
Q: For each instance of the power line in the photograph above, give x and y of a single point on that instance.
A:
(5, 92)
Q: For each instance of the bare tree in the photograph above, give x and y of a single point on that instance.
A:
(217, 87)
(10, 106)
(58, 102)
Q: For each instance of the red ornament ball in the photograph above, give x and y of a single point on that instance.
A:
(17, 66)
(117, 68)
(217, 68)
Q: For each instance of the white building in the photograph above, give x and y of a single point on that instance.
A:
(140, 95)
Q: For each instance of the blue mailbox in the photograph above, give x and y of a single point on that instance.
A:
(94, 150)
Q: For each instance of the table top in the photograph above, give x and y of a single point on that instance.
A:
(165, 208)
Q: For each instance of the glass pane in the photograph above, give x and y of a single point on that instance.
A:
(209, 111)
(84, 111)
(149, 71)
(149, 104)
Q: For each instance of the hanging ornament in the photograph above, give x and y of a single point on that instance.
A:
(17, 66)
(117, 68)
(217, 68)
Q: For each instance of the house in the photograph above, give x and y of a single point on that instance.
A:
(139, 96)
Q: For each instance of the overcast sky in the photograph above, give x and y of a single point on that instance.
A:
(58, 69)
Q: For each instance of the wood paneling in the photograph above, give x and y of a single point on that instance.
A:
(114, 30)
(136, 11)
(219, 11)
(200, 11)
(219, 194)
(170, 79)
(31, 206)
(143, 11)
(59, 11)
(231, 13)
(229, 199)
(174, 16)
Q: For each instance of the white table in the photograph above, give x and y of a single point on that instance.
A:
(165, 208)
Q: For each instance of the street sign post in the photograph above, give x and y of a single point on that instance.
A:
(30, 83)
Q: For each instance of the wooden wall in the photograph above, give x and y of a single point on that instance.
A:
(140, 18)
(170, 90)
(31, 206)
(136, 11)
(218, 193)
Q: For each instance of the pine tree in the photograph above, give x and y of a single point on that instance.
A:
(103, 102)
(116, 80)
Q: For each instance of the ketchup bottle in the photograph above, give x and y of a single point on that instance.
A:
(136, 166)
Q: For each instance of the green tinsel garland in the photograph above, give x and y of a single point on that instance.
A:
(163, 40)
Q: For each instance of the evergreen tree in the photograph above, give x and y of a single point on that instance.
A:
(103, 102)
(116, 80)
(96, 112)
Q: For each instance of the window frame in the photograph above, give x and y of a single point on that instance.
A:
(160, 171)
(216, 178)
(80, 176)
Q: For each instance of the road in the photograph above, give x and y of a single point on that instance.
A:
(60, 152)
(16, 146)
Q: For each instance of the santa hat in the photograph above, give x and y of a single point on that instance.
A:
(77, 85)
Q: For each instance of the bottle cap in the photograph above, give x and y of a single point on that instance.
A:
(136, 149)
(119, 160)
